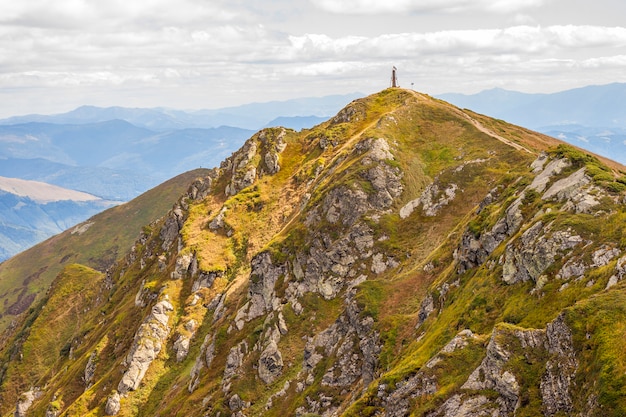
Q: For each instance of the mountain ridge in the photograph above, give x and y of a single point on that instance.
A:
(42, 192)
(246, 116)
(406, 257)
(590, 117)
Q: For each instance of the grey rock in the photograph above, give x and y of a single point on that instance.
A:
(234, 360)
(90, 369)
(181, 347)
(270, 363)
(538, 164)
(427, 306)
(235, 403)
(113, 405)
(204, 358)
(554, 167)
(169, 232)
(432, 200)
(459, 406)
(575, 191)
(200, 188)
(398, 402)
(572, 268)
(218, 221)
(387, 185)
(560, 368)
(52, 410)
(147, 344)
(353, 112)
(492, 375)
(535, 251)
(345, 205)
(566, 188)
(474, 250)
(261, 292)
(205, 279)
(282, 325)
(25, 401)
(185, 263)
(603, 256)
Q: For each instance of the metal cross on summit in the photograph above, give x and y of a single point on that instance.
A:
(394, 78)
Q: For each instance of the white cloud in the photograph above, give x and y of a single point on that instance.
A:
(194, 51)
(510, 41)
(374, 7)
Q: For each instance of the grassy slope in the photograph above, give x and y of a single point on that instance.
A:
(111, 235)
(429, 140)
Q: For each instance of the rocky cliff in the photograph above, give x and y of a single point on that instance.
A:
(405, 258)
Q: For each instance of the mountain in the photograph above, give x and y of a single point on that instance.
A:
(117, 153)
(96, 243)
(32, 211)
(109, 184)
(405, 257)
(297, 122)
(248, 116)
(592, 117)
(118, 148)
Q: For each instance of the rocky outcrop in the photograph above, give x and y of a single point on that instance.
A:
(181, 347)
(432, 200)
(353, 112)
(620, 272)
(261, 293)
(204, 359)
(272, 145)
(354, 343)
(577, 193)
(171, 228)
(147, 344)
(553, 345)
(25, 401)
(234, 360)
(385, 179)
(113, 405)
(492, 375)
(243, 166)
(270, 363)
(576, 267)
(561, 368)
(397, 403)
(475, 249)
(90, 369)
(535, 252)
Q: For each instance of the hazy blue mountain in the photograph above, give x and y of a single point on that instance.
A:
(248, 116)
(601, 105)
(114, 151)
(25, 221)
(109, 184)
(592, 117)
(297, 122)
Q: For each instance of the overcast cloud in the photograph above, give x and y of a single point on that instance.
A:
(192, 54)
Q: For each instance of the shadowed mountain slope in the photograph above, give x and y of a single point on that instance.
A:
(404, 258)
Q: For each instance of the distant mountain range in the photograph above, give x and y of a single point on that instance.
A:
(31, 211)
(252, 116)
(592, 117)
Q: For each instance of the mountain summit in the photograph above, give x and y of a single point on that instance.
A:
(403, 258)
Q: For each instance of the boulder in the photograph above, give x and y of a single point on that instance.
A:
(112, 406)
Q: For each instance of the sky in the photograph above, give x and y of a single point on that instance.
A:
(56, 55)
